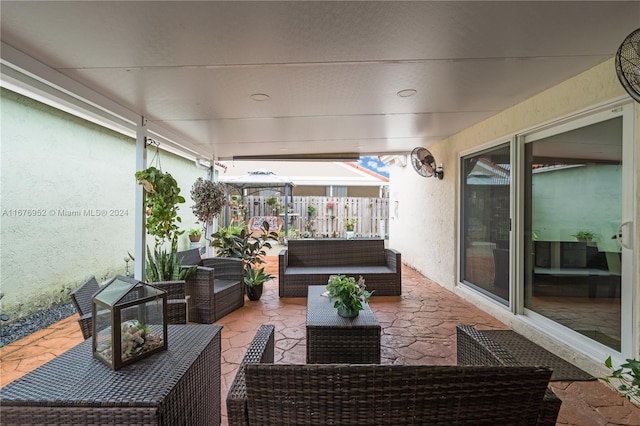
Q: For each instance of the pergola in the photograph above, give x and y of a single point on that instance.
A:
(260, 179)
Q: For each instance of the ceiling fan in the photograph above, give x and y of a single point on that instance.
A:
(628, 64)
(425, 164)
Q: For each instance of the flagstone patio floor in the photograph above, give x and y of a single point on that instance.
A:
(418, 328)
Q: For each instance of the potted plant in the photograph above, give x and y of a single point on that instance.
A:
(195, 234)
(272, 202)
(209, 199)
(162, 196)
(584, 236)
(236, 242)
(348, 294)
(310, 211)
(254, 279)
(349, 226)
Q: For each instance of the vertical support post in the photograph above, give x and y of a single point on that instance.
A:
(286, 210)
(140, 209)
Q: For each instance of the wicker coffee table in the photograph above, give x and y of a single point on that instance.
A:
(177, 386)
(332, 339)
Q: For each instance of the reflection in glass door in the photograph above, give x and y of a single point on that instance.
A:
(573, 211)
(486, 180)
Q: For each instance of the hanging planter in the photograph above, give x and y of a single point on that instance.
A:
(162, 196)
(209, 199)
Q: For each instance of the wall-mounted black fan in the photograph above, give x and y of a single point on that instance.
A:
(628, 64)
(425, 164)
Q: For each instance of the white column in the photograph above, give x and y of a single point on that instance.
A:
(140, 209)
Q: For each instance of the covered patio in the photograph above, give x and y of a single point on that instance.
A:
(418, 328)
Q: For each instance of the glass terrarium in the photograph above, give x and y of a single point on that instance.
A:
(129, 321)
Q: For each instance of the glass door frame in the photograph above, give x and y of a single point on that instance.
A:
(623, 109)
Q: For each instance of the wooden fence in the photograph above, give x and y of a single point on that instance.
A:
(371, 214)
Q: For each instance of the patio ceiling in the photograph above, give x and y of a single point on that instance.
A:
(332, 70)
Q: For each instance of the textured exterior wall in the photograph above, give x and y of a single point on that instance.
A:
(67, 202)
(423, 212)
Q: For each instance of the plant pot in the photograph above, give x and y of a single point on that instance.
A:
(194, 238)
(347, 314)
(350, 234)
(254, 292)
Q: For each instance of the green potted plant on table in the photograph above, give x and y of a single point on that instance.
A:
(348, 294)
(254, 278)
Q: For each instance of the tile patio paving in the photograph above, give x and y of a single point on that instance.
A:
(418, 328)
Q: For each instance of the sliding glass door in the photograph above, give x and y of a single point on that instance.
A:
(485, 248)
(577, 185)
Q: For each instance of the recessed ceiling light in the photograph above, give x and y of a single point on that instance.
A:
(259, 97)
(406, 93)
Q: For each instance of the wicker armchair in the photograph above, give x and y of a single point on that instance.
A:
(264, 393)
(177, 300)
(81, 298)
(475, 348)
(215, 289)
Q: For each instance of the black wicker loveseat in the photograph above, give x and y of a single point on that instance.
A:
(308, 262)
(264, 393)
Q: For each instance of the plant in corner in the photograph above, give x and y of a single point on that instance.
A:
(627, 378)
(236, 242)
(348, 294)
(254, 280)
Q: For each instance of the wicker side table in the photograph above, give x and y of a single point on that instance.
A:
(177, 386)
(332, 339)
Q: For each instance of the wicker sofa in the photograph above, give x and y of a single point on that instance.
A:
(215, 289)
(264, 393)
(308, 262)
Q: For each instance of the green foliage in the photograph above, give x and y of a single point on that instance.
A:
(253, 276)
(162, 196)
(165, 266)
(209, 199)
(584, 235)
(627, 377)
(237, 243)
(349, 224)
(347, 293)
(311, 210)
(195, 232)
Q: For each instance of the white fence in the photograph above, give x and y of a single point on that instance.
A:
(371, 214)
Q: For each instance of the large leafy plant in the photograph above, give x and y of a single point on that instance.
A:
(236, 242)
(208, 198)
(162, 196)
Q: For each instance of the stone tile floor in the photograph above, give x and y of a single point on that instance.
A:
(418, 328)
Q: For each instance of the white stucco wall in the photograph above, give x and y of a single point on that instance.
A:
(424, 227)
(67, 202)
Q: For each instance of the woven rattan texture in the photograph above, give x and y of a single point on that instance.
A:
(261, 350)
(393, 394)
(167, 388)
(475, 348)
(311, 261)
(215, 289)
(333, 339)
(81, 298)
